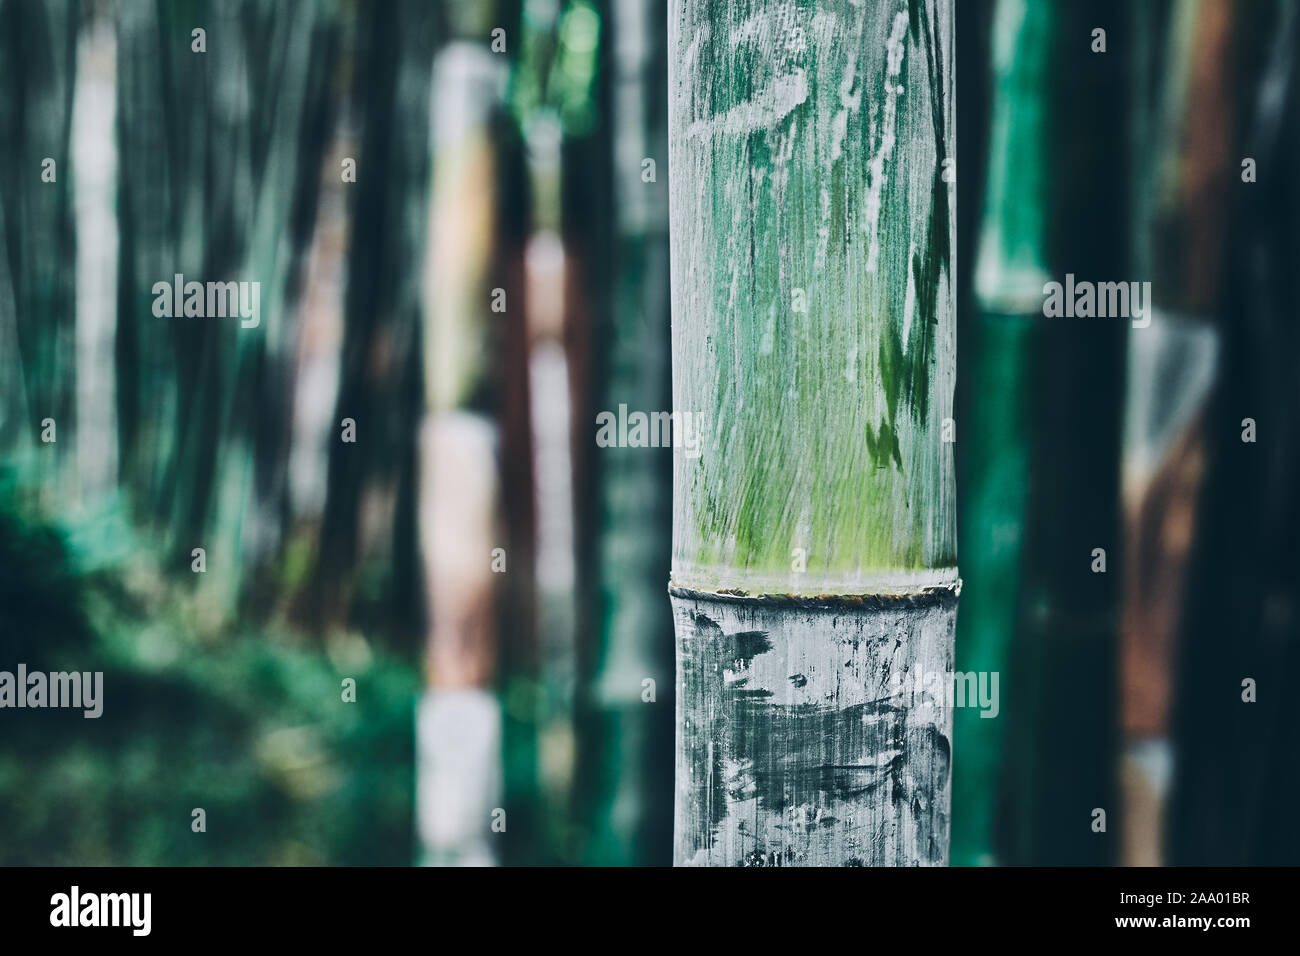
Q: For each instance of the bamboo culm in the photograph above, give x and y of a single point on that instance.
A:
(814, 578)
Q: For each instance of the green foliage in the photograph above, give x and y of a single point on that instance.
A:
(248, 727)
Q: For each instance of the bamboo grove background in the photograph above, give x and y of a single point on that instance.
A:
(497, 275)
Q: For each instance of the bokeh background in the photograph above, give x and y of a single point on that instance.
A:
(493, 275)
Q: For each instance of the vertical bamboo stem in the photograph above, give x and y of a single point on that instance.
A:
(814, 573)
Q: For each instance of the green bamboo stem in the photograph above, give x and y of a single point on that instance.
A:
(812, 257)
(1011, 268)
(814, 556)
(38, 45)
(1058, 749)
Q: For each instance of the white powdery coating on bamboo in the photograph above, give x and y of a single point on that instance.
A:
(887, 139)
(813, 320)
(770, 105)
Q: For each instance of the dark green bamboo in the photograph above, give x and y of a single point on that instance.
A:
(38, 43)
(627, 731)
(212, 191)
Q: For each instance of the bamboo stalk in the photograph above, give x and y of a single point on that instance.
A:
(209, 206)
(627, 730)
(460, 731)
(1011, 267)
(1179, 240)
(814, 557)
(1058, 768)
(38, 358)
(1231, 718)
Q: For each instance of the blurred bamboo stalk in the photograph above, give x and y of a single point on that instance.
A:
(461, 800)
(1040, 549)
(221, 200)
(1059, 801)
(38, 277)
(1233, 719)
(626, 712)
(994, 453)
(368, 527)
(95, 168)
(1187, 155)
